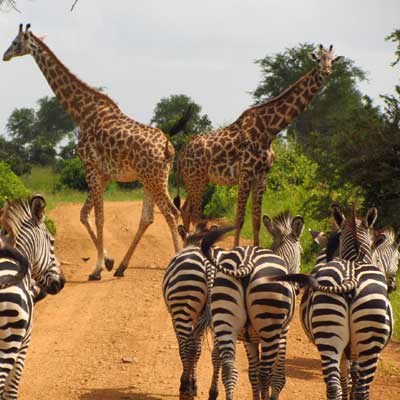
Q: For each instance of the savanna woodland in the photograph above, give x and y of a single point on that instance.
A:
(344, 148)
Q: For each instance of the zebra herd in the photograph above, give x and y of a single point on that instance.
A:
(28, 271)
(249, 294)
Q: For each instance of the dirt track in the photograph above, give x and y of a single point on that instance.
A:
(81, 336)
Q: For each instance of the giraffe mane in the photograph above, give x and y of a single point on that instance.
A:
(276, 98)
(65, 69)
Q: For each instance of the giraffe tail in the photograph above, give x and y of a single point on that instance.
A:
(181, 124)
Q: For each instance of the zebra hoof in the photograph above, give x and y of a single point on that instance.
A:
(94, 277)
(213, 395)
(186, 396)
(109, 263)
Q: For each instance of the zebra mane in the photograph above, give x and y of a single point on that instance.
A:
(332, 245)
(14, 214)
(282, 223)
(351, 223)
(195, 238)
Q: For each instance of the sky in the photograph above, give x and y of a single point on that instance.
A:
(143, 50)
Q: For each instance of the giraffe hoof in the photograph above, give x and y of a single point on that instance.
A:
(119, 273)
(109, 263)
(94, 277)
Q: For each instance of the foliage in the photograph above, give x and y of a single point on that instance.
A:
(222, 202)
(170, 109)
(39, 132)
(395, 37)
(11, 187)
(72, 174)
(15, 155)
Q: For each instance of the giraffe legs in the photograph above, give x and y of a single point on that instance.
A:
(95, 199)
(146, 220)
(243, 195)
(257, 194)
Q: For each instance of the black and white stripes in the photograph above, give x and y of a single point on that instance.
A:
(23, 221)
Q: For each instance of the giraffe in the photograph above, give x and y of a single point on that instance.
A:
(112, 147)
(241, 153)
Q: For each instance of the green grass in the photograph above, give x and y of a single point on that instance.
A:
(43, 180)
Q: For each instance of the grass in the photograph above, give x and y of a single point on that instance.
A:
(43, 180)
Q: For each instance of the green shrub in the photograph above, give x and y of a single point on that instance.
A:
(11, 187)
(72, 174)
(222, 201)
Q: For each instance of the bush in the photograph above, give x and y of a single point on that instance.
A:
(72, 174)
(11, 187)
(222, 201)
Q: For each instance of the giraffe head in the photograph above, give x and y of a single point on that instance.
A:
(21, 45)
(325, 59)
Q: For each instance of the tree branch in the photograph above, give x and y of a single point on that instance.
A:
(73, 5)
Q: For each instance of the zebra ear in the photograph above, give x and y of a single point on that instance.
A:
(38, 205)
(182, 232)
(379, 240)
(213, 227)
(319, 237)
(268, 224)
(298, 226)
(338, 215)
(370, 218)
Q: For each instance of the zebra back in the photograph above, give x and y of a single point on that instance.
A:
(23, 220)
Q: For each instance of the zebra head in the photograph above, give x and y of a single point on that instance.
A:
(194, 238)
(355, 234)
(23, 220)
(386, 255)
(286, 232)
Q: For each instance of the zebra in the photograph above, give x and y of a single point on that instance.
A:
(23, 221)
(386, 254)
(186, 289)
(245, 306)
(346, 312)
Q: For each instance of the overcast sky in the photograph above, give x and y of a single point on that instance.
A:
(143, 50)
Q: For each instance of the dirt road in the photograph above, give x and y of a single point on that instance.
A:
(82, 335)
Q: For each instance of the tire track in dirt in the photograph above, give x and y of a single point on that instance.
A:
(81, 335)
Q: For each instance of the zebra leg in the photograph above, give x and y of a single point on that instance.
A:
(14, 376)
(216, 361)
(344, 377)
(366, 367)
(269, 354)
(253, 358)
(198, 343)
(279, 372)
(331, 372)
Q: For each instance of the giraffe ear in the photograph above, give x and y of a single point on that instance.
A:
(338, 59)
(313, 57)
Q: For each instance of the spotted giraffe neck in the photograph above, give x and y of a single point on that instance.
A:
(79, 99)
(278, 112)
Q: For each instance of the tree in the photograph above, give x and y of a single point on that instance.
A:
(395, 37)
(170, 109)
(15, 155)
(339, 97)
(39, 132)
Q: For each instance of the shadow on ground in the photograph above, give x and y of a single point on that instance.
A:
(122, 394)
(303, 368)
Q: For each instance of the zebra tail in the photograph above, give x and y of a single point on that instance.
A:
(348, 285)
(212, 237)
(241, 272)
(14, 254)
(203, 323)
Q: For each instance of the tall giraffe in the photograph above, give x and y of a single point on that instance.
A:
(112, 147)
(241, 153)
